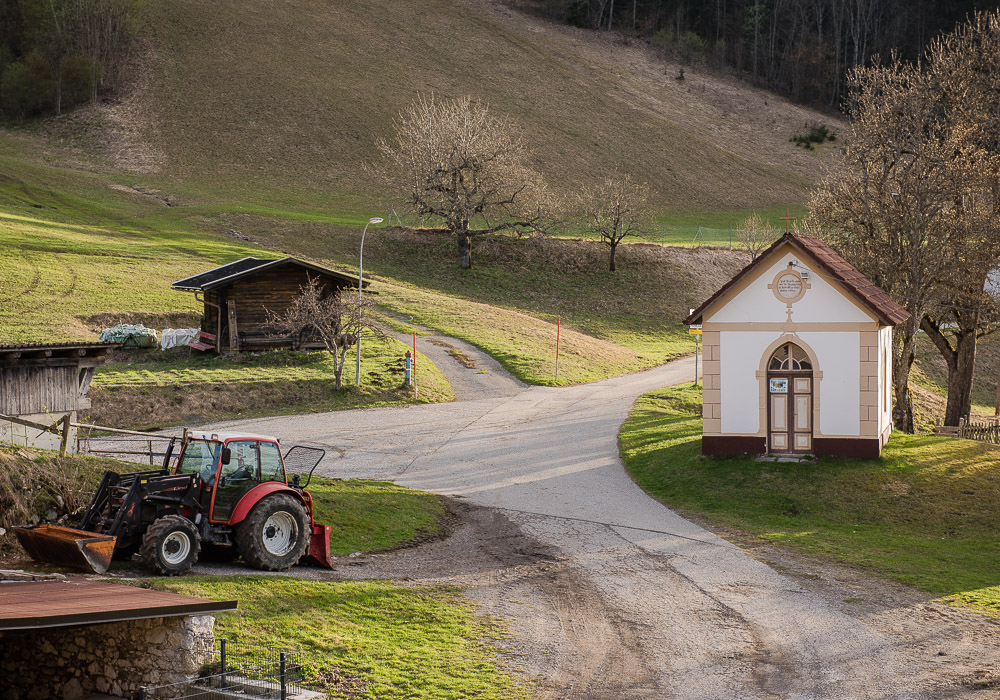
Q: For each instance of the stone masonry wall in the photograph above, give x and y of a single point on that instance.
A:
(68, 663)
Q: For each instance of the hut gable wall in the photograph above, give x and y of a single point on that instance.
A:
(273, 290)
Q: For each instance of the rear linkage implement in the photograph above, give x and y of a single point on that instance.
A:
(228, 496)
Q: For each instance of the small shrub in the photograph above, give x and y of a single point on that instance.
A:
(680, 74)
(818, 133)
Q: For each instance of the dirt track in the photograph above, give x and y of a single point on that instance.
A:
(608, 593)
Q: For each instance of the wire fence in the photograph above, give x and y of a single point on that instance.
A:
(239, 671)
(128, 448)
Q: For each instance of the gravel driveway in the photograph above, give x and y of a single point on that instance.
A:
(607, 592)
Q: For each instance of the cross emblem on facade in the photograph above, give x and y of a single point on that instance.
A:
(787, 219)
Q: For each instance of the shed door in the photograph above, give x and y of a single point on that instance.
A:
(789, 401)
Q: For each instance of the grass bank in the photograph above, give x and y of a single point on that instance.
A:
(924, 514)
(369, 639)
(153, 389)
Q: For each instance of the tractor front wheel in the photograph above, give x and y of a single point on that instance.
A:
(171, 545)
(275, 535)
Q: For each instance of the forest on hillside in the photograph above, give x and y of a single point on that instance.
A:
(802, 49)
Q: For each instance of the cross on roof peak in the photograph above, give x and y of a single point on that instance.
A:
(787, 219)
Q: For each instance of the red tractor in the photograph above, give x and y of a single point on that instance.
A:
(228, 496)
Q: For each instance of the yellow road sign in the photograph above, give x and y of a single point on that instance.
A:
(694, 331)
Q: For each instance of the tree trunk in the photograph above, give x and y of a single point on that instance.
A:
(960, 359)
(611, 260)
(902, 410)
(465, 249)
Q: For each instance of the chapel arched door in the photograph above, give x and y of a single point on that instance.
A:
(789, 401)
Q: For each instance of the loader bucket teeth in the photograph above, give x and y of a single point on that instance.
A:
(65, 546)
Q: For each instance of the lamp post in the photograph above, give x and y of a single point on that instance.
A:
(361, 258)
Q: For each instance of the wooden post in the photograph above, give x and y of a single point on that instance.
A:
(234, 339)
(64, 441)
(558, 325)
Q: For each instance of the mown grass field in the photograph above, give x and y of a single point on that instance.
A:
(370, 639)
(924, 514)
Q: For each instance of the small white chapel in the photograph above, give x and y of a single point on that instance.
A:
(798, 356)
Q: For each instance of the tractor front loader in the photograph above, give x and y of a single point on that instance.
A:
(228, 497)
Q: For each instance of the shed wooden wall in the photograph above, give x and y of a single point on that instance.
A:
(29, 389)
(272, 290)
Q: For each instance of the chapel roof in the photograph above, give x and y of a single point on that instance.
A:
(850, 280)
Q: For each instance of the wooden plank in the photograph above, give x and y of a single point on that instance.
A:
(234, 341)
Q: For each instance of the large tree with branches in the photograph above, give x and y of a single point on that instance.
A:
(458, 161)
(914, 205)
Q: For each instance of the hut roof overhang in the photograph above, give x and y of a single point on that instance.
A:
(226, 275)
(845, 275)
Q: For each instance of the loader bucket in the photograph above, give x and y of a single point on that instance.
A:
(319, 547)
(65, 546)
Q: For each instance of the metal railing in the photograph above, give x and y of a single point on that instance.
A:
(238, 671)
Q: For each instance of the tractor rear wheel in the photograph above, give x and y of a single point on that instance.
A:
(171, 545)
(275, 534)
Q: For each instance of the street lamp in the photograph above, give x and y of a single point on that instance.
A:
(361, 258)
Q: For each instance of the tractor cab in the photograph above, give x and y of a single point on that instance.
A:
(229, 467)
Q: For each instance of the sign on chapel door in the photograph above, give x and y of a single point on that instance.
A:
(789, 400)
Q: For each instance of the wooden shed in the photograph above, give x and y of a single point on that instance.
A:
(42, 380)
(238, 296)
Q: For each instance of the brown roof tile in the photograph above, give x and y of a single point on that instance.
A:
(853, 282)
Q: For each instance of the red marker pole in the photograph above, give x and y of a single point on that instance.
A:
(558, 320)
(414, 364)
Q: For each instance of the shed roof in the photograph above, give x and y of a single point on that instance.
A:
(846, 275)
(78, 601)
(49, 351)
(227, 274)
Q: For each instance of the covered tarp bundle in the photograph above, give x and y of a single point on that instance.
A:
(177, 337)
(137, 335)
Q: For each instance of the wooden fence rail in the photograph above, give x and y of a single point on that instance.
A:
(968, 430)
(61, 428)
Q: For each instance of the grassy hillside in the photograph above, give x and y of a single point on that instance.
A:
(250, 127)
(237, 102)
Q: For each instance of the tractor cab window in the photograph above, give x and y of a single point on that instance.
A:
(200, 457)
(243, 461)
(270, 463)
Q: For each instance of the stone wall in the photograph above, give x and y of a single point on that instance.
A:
(67, 663)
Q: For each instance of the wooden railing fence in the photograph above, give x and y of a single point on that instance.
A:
(969, 430)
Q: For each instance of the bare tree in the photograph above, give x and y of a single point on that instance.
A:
(915, 205)
(617, 209)
(456, 160)
(756, 235)
(886, 210)
(337, 319)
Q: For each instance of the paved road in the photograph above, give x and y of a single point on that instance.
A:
(684, 613)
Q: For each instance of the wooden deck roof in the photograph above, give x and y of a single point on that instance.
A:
(79, 601)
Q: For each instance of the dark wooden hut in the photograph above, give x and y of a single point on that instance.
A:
(238, 297)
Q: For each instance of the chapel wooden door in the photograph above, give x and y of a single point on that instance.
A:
(789, 401)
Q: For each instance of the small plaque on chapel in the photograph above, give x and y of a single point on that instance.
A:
(789, 286)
